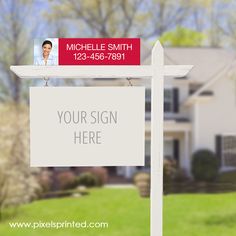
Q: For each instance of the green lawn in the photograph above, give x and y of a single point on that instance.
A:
(200, 215)
(128, 214)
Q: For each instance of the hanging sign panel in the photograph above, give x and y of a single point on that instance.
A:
(87, 126)
(87, 51)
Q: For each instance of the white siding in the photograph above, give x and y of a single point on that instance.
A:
(216, 116)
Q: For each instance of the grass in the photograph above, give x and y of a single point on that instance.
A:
(200, 215)
(128, 214)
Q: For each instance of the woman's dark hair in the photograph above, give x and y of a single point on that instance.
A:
(47, 42)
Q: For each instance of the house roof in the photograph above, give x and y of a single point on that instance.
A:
(208, 62)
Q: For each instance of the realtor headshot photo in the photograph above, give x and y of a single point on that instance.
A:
(46, 52)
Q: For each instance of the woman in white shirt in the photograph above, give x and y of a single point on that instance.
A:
(46, 59)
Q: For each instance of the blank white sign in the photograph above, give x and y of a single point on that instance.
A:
(87, 126)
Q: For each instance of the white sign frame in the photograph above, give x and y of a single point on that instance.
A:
(157, 70)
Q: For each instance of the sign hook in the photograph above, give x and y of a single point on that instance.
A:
(46, 79)
(129, 81)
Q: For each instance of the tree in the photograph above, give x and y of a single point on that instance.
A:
(107, 18)
(182, 37)
(227, 24)
(14, 41)
(3, 187)
(18, 183)
(166, 15)
(207, 16)
(119, 18)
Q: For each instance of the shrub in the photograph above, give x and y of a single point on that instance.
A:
(67, 180)
(227, 177)
(88, 179)
(142, 181)
(205, 166)
(169, 170)
(101, 174)
(181, 176)
(45, 180)
(141, 176)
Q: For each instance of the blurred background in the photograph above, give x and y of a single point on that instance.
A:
(199, 119)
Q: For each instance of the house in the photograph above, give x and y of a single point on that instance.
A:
(199, 110)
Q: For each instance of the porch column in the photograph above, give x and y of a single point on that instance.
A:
(120, 170)
(128, 172)
(186, 162)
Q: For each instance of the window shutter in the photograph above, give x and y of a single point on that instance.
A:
(176, 150)
(175, 100)
(218, 148)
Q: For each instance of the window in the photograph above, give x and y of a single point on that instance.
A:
(168, 149)
(148, 162)
(148, 104)
(148, 100)
(229, 150)
(171, 101)
(168, 100)
(147, 154)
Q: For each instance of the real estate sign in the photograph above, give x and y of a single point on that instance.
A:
(99, 126)
(87, 126)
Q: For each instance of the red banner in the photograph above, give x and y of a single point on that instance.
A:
(99, 51)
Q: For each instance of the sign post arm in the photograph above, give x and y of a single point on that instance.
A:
(157, 139)
(85, 72)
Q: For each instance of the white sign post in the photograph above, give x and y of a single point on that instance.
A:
(157, 70)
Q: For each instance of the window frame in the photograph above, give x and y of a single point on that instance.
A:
(170, 100)
(169, 140)
(228, 149)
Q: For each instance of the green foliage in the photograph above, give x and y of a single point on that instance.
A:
(182, 37)
(88, 179)
(205, 166)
